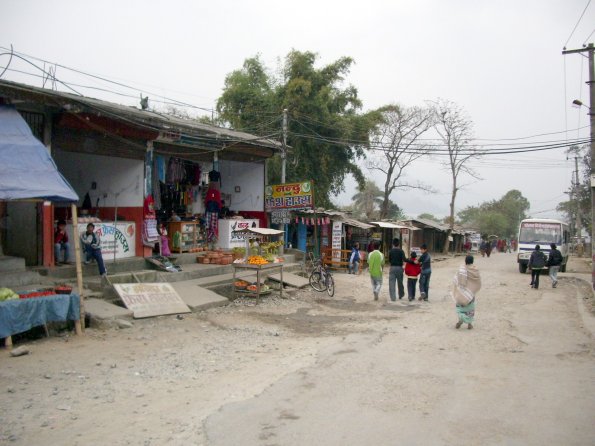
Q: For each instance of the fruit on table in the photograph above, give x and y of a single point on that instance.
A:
(251, 288)
(257, 260)
(7, 294)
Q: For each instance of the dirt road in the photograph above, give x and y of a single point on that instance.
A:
(315, 370)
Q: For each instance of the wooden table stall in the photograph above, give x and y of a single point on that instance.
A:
(260, 269)
(259, 234)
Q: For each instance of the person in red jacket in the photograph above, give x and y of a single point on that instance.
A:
(61, 243)
(412, 272)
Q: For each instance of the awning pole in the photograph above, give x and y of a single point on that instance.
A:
(80, 324)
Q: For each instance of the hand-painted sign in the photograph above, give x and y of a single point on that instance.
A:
(151, 299)
(120, 237)
(289, 196)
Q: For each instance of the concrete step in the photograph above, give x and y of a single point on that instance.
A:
(20, 279)
(11, 264)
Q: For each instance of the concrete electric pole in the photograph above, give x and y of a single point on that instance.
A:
(284, 151)
(590, 49)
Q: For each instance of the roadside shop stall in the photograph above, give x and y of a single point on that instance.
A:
(259, 256)
(33, 176)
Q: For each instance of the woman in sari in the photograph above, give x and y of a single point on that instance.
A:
(467, 283)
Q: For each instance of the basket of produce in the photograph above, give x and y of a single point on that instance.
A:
(241, 284)
(63, 289)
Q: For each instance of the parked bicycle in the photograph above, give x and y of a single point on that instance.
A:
(321, 278)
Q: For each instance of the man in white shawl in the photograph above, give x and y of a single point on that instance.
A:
(467, 284)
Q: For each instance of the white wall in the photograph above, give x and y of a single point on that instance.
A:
(250, 178)
(112, 175)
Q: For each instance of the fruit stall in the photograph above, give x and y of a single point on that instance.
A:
(259, 257)
(24, 310)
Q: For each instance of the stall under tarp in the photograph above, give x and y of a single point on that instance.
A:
(27, 171)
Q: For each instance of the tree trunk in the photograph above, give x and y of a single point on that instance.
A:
(451, 221)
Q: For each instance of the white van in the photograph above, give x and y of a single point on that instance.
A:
(542, 232)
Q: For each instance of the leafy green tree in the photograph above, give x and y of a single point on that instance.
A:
(579, 195)
(367, 201)
(497, 217)
(327, 133)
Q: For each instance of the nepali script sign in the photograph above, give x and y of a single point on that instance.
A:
(289, 196)
(151, 299)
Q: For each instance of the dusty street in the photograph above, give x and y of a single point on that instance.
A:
(313, 370)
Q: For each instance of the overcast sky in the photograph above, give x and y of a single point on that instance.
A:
(500, 60)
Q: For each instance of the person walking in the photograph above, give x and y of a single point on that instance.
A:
(554, 262)
(425, 261)
(396, 258)
(467, 283)
(354, 259)
(92, 247)
(536, 264)
(412, 271)
(375, 264)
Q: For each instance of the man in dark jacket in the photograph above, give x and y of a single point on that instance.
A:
(426, 271)
(554, 262)
(396, 257)
(536, 264)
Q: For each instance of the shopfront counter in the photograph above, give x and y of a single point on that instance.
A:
(121, 238)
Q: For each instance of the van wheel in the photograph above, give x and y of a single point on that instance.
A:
(522, 268)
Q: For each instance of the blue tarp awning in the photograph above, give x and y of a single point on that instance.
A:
(27, 171)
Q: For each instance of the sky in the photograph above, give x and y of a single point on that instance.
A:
(500, 60)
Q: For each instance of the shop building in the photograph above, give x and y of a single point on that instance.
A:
(115, 157)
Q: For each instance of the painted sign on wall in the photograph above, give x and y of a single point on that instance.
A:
(120, 237)
(289, 196)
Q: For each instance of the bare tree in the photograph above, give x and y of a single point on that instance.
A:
(397, 139)
(456, 131)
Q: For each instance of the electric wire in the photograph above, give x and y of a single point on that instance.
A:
(577, 23)
(589, 36)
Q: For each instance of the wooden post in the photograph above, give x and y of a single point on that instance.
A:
(80, 325)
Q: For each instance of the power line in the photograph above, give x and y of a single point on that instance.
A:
(577, 23)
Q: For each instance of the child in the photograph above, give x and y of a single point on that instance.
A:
(165, 251)
(412, 271)
(354, 259)
(92, 247)
(61, 243)
(426, 271)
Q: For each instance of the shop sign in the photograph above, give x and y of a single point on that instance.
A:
(289, 196)
(120, 238)
(281, 217)
(337, 236)
(151, 299)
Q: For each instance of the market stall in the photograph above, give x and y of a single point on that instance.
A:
(33, 176)
(256, 262)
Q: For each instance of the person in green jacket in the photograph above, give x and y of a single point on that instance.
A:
(375, 264)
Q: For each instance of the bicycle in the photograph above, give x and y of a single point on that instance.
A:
(321, 279)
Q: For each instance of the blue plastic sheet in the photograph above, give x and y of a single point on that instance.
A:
(19, 315)
(27, 171)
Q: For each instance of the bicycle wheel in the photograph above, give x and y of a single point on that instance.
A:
(330, 285)
(316, 281)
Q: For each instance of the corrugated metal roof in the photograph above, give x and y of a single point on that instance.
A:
(356, 223)
(135, 116)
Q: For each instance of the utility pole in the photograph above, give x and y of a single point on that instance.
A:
(284, 151)
(283, 164)
(590, 49)
(577, 224)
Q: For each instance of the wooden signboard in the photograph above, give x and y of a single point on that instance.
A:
(151, 299)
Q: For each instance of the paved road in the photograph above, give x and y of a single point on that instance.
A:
(524, 376)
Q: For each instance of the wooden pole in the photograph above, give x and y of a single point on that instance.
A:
(80, 324)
